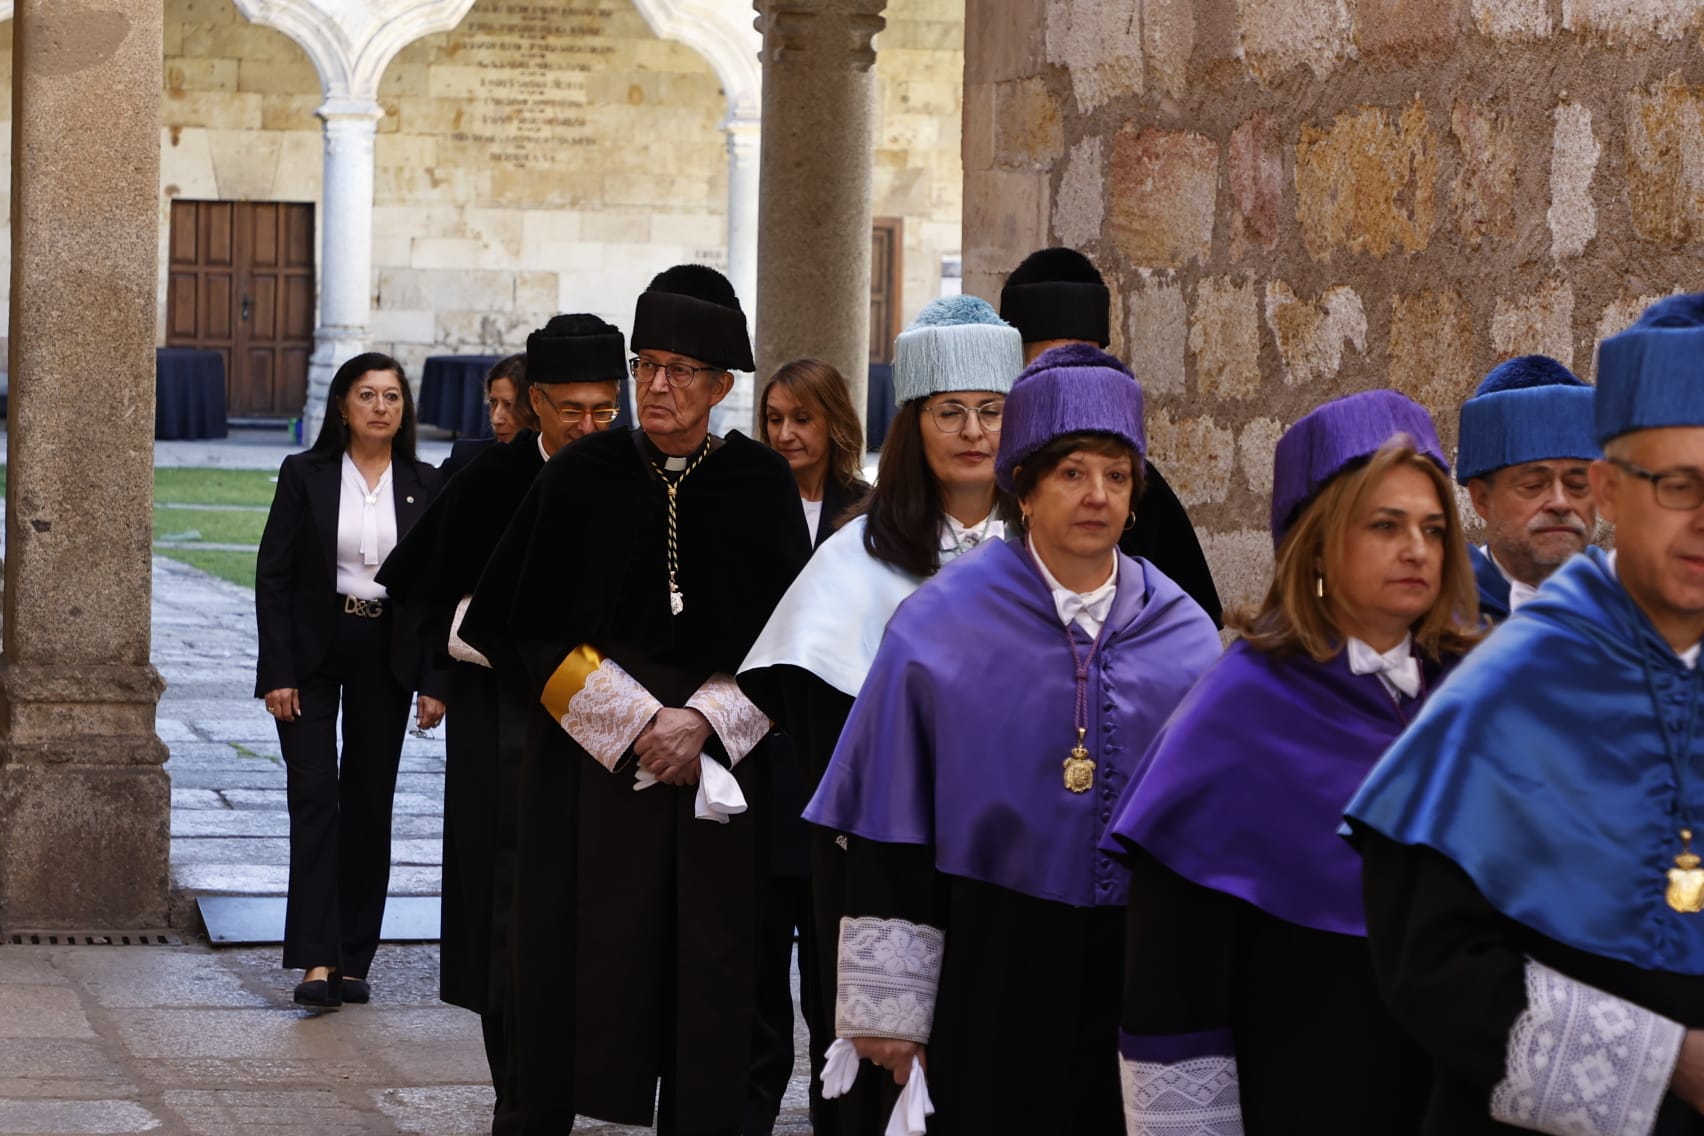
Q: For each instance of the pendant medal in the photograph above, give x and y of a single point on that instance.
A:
(1080, 769)
(677, 604)
(1686, 879)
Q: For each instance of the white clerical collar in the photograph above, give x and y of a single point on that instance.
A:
(1688, 656)
(957, 538)
(1519, 591)
(542, 452)
(673, 464)
(1088, 609)
(1397, 668)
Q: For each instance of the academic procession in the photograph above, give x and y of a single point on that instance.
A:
(1221, 658)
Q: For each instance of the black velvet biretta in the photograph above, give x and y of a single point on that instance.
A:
(576, 348)
(1057, 293)
(691, 310)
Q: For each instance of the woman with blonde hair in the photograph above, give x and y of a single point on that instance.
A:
(1250, 1001)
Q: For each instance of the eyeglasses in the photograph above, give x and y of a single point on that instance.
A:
(1675, 490)
(571, 415)
(678, 374)
(951, 417)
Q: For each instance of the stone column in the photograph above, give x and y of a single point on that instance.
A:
(346, 247)
(85, 807)
(744, 137)
(813, 243)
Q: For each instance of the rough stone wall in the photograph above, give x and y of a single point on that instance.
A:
(1296, 199)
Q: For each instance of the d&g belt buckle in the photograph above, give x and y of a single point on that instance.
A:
(367, 609)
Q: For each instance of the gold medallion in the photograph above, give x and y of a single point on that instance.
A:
(1080, 769)
(1686, 879)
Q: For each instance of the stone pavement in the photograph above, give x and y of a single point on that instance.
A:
(192, 1041)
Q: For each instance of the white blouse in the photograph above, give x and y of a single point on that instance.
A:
(366, 532)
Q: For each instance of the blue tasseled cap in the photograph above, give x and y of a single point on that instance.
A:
(1528, 409)
(1069, 390)
(957, 343)
(1652, 374)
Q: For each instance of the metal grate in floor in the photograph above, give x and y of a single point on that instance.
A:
(91, 939)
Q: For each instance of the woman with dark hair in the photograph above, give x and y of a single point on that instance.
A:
(328, 637)
(808, 419)
(935, 498)
(1250, 1000)
(510, 409)
(1004, 715)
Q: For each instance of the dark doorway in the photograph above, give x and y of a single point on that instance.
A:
(887, 247)
(241, 282)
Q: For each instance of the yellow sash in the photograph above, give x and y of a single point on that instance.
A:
(569, 678)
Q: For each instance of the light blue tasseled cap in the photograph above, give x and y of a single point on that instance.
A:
(957, 343)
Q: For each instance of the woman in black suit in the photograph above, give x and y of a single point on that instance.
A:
(808, 419)
(328, 635)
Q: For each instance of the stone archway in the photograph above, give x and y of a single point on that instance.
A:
(350, 46)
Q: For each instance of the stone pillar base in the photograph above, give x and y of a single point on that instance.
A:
(85, 807)
(332, 347)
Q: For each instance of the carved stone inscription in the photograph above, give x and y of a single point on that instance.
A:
(527, 65)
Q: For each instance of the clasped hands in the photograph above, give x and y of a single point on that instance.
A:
(669, 745)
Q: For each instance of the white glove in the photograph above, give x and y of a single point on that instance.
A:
(719, 796)
(839, 1070)
(910, 1114)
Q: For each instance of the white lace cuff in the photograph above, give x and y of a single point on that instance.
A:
(459, 647)
(888, 974)
(1584, 1063)
(731, 714)
(1198, 1097)
(609, 713)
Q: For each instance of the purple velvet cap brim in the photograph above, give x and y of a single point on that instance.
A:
(1331, 438)
(1069, 390)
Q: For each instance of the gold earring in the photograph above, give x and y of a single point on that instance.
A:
(1131, 523)
(1319, 587)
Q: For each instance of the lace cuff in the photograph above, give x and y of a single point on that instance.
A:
(730, 713)
(459, 647)
(889, 972)
(1584, 1063)
(1198, 1097)
(608, 713)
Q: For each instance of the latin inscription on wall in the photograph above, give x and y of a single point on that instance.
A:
(526, 73)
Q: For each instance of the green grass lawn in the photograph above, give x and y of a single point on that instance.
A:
(174, 488)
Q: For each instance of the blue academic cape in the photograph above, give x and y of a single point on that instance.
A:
(1493, 585)
(1546, 767)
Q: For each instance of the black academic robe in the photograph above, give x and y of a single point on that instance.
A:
(634, 921)
(1164, 536)
(1316, 1050)
(1453, 970)
(431, 569)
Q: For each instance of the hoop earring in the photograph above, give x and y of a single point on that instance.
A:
(1131, 523)
(1319, 587)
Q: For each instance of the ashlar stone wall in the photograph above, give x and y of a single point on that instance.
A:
(1296, 199)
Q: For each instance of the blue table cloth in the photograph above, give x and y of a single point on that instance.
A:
(189, 393)
(878, 405)
(452, 393)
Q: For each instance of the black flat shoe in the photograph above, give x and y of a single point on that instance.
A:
(357, 991)
(321, 993)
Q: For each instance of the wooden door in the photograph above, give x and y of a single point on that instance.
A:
(886, 249)
(241, 282)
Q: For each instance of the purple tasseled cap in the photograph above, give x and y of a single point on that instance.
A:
(1335, 437)
(1070, 389)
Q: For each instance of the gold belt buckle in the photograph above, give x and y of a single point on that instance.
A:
(368, 609)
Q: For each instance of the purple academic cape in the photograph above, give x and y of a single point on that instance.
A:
(1243, 791)
(959, 736)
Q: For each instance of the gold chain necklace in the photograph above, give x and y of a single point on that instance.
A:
(677, 602)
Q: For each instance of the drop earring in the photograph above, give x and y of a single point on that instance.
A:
(1319, 587)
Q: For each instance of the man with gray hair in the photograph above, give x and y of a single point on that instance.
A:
(1535, 905)
(1526, 446)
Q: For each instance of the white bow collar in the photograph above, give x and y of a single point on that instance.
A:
(1397, 668)
(1088, 609)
